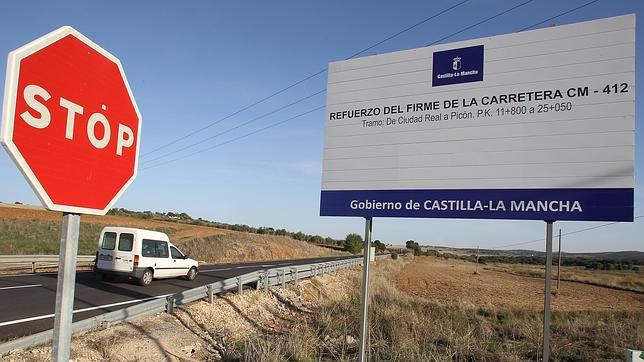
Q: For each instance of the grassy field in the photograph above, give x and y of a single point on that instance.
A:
(404, 327)
(26, 237)
(622, 279)
(33, 230)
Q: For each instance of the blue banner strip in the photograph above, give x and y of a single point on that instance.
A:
(517, 204)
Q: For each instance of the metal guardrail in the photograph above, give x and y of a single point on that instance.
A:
(262, 278)
(12, 262)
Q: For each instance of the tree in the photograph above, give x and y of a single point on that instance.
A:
(410, 244)
(353, 243)
(380, 246)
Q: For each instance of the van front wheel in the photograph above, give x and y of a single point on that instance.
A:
(146, 278)
(192, 274)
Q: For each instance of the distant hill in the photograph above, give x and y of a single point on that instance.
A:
(628, 255)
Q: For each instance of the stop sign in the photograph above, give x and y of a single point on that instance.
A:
(70, 122)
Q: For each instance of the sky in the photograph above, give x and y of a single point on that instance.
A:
(190, 64)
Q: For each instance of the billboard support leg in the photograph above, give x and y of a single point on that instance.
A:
(559, 263)
(65, 287)
(364, 305)
(547, 294)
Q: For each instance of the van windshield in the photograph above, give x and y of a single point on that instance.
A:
(176, 254)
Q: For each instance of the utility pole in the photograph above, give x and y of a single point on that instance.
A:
(477, 260)
(547, 296)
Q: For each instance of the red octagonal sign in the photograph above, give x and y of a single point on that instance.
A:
(70, 122)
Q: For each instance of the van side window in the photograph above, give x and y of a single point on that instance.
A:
(162, 249)
(125, 242)
(109, 241)
(148, 248)
(176, 254)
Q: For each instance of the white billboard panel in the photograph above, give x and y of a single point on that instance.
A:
(532, 125)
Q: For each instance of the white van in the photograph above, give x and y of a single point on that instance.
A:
(141, 254)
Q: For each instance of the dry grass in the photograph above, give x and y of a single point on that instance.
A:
(454, 281)
(408, 328)
(621, 279)
(236, 246)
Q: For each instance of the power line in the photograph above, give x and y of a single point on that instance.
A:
(560, 15)
(568, 233)
(236, 138)
(482, 22)
(235, 127)
(302, 80)
(284, 121)
(234, 113)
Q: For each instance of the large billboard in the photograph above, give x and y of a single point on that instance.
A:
(537, 125)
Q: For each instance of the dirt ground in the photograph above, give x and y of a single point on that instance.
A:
(455, 281)
(200, 331)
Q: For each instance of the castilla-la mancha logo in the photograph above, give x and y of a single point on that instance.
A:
(456, 63)
(454, 66)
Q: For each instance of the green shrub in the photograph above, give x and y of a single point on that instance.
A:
(353, 243)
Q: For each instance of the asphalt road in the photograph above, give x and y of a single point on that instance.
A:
(27, 301)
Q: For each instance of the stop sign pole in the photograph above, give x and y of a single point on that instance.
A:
(65, 285)
(71, 125)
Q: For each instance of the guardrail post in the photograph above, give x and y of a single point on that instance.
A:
(294, 271)
(283, 278)
(210, 295)
(260, 274)
(169, 306)
(266, 282)
(33, 267)
(240, 286)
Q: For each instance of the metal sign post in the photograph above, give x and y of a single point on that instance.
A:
(364, 305)
(65, 288)
(547, 295)
(559, 263)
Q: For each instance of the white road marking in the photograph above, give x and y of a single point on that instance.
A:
(37, 274)
(220, 269)
(22, 286)
(17, 321)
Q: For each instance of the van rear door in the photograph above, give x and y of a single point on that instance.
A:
(115, 252)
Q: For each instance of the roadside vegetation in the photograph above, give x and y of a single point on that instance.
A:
(408, 328)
